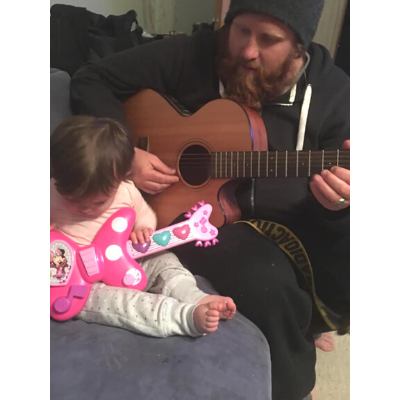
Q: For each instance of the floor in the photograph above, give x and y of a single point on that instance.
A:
(333, 371)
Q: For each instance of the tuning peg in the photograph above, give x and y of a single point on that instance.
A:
(194, 208)
(215, 241)
(207, 244)
(201, 203)
(188, 214)
(199, 243)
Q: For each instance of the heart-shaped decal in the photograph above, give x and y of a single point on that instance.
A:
(181, 232)
(162, 238)
(142, 248)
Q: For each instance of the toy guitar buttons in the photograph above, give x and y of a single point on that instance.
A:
(63, 304)
(203, 225)
(196, 228)
(181, 232)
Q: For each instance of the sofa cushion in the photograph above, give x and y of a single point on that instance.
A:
(90, 361)
(59, 97)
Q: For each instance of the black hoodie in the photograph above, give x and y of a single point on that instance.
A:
(184, 67)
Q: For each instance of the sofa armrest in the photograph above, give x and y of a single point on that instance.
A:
(59, 97)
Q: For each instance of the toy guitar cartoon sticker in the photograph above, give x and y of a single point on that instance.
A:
(111, 257)
(60, 261)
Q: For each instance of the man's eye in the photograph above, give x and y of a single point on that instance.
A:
(269, 40)
(100, 203)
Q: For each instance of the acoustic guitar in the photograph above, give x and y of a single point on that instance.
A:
(213, 150)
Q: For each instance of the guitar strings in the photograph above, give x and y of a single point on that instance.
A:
(271, 157)
(290, 161)
(255, 159)
(281, 154)
(255, 162)
(229, 160)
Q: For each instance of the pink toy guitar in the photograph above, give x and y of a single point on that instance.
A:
(111, 257)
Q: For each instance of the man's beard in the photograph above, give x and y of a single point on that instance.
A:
(258, 87)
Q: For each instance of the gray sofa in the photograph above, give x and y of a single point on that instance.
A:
(90, 361)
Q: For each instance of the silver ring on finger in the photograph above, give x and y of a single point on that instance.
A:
(340, 202)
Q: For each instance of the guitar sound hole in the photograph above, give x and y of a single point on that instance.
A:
(195, 165)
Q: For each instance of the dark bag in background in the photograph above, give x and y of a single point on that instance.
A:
(78, 35)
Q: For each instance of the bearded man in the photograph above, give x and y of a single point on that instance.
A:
(264, 58)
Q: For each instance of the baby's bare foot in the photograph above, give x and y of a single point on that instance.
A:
(230, 310)
(206, 316)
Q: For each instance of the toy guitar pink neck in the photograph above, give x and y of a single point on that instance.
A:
(196, 228)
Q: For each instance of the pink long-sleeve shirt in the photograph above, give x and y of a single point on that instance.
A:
(82, 230)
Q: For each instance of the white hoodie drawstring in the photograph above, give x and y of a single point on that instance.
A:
(303, 118)
(302, 125)
(293, 94)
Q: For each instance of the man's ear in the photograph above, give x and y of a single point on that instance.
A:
(300, 51)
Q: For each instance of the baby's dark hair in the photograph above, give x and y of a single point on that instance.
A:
(90, 156)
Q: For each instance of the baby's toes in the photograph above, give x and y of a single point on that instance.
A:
(230, 304)
(217, 306)
(232, 313)
(212, 318)
(212, 321)
(211, 327)
(226, 315)
(229, 312)
(212, 315)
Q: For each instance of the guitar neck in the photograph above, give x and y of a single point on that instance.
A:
(276, 164)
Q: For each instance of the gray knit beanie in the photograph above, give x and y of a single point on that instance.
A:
(300, 15)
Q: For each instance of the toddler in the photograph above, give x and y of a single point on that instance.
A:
(90, 161)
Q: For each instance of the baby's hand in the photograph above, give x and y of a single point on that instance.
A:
(141, 235)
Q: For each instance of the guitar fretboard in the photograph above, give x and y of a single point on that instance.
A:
(276, 164)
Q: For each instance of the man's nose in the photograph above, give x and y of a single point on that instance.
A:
(251, 51)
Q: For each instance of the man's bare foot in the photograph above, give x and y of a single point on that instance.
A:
(230, 310)
(325, 342)
(206, 316)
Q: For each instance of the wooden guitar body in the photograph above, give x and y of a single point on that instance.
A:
(186, 143)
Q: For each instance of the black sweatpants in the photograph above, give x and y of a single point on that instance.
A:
(260, 278)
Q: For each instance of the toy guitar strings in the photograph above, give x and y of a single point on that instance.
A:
(111, 256)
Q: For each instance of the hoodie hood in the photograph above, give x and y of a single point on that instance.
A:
(319, 66)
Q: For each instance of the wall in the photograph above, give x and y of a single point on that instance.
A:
(330, 25)
(188, 13)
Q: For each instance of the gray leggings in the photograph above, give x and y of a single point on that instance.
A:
(164, 309)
